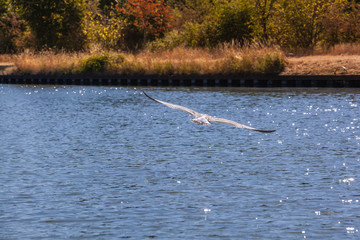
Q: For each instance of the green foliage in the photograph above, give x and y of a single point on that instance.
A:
(100, 63)
(171, 40)
(291, 24)
(104, 29)
(55, 24)
(12, 29)
(3, 6)
(194, 35)
(219, 22)
(271, 64)
(74, 25)
(95, 64)
(194, 23)
(104, 4)
(234, 23)
(299, 23)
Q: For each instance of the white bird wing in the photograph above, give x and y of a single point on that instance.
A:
(235, 124)
(174, 106)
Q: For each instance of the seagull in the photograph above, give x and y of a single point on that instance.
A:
(204, 119)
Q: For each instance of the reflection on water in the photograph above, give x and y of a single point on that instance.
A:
(108, 163)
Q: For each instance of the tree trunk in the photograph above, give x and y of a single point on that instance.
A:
(145, 37)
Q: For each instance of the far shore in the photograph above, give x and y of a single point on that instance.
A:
(323, 65)
(313, 65)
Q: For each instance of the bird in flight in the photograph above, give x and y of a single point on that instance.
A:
(204, 119)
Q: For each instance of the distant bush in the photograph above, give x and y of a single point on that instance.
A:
(101, 62)
(271, 64)
(254, 62)
(171, 40)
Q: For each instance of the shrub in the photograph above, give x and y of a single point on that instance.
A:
(171, 40)
(271, 64)
(191, 35)
(101, 63)
(238, 65)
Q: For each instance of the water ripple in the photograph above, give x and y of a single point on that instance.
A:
(107, 163)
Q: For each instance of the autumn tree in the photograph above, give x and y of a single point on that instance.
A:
(298, 22)
(152, 17)
(103, 28)
(352, 17)
(264, 10)
(12, 28)
(234, 22)
(341, 23)
(3, 6)
(55, 23)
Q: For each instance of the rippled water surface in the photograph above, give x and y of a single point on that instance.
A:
(109, 163)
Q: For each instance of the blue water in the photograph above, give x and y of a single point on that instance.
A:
(108, 163)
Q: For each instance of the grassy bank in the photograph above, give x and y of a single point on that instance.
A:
(225, 60)
(342, 59)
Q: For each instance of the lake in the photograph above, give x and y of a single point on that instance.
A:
(82, 162)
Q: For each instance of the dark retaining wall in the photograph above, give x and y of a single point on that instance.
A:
(330, 81)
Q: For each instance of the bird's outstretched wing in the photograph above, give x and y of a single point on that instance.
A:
(178, 107)
(209, 118)
(235, 124)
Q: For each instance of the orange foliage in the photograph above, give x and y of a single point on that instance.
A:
(151, 16)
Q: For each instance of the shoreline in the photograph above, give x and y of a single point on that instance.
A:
(291, 81)
(326, 64)
(333, 71)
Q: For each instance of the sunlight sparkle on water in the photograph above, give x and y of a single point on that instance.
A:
(121, 170)
(347, 180)
(352, 230)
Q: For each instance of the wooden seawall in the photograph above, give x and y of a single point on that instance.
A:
(327, 81)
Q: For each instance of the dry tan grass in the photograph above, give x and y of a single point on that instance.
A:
(47, 62)
(176, 61)
(340, 49)
(340, 59)
(5, 58)
(184, 61)
(179, 61)
(323, 65)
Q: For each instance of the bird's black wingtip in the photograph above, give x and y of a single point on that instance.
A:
(146, 94)
(265, 131)
(150, 97)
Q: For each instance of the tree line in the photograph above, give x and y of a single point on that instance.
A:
(76, 25)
